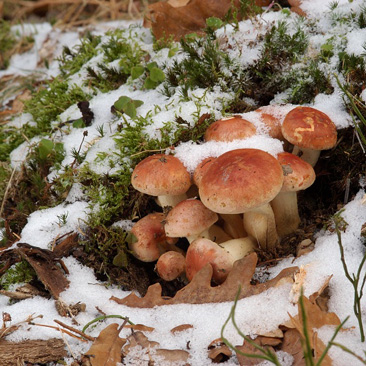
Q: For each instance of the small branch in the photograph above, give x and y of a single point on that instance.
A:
(89, 338)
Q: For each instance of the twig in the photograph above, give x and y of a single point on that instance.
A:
(147, 151)
(77, 331)
(66, 342)
(61, 330)
(7, 192)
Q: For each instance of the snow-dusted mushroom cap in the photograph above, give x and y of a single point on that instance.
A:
(298, 174)
(241, 180)
(229, 129)
(309, 128)
(203, 251)
(161, 174)
(170, 265)
(201, 170)
(187, 218)
(147, 237)
(271, 116)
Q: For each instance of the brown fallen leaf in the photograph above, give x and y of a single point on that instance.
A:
(176, 20)
(292, 345)
(45, 265)
(181, 328)
(106, 349)
(154, 354)
(24, 292)
(250, 349)
(44, 262)
(200, 291)
(178, 3)
(321, 296)
(65, 244)
(316, 318)
(141, 327)
(218, 351)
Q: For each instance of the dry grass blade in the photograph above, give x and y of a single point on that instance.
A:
(71, 13)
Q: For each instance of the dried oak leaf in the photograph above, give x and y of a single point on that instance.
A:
(316, 318)
(200, 291)
(292, 345)
(107, 348)
(166, 19)
(250, 349)
(218, 351)
(168, 356)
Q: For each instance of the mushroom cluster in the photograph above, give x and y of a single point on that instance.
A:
(246, 199)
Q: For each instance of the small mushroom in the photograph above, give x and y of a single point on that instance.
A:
(203, 251)
(220, 256)
(298, 175)
(310, 131)
(147, 239)
(163, 176)
(170, 265)
(229, 129)
(189, 218)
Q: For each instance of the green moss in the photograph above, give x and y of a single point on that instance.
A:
(19, 273)
(11, 137)
(50, 101)
(7, 41)
(105, 77)
(11, 43)
(71, 60)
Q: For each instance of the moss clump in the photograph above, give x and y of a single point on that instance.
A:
(50, 101)
(19, 273)
(71, 60)
(10, 43)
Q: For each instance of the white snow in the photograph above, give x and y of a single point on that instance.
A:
(254, 315)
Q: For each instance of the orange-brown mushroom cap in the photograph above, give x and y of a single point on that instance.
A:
(229, 129)
(201, 170)
(189, 217)
(203, 251)
(148, 237)
(241, 180)
(161, 174)
(170, 265)
(309, 128)
(298, 174)
(270, 116)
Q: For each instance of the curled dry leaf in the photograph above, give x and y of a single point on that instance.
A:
(181, 328)
(106, 349)
(156, 355)
(218, 351)
(200, 291)
(140, 327)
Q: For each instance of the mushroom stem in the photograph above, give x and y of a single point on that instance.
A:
(170, 200)
(239, 248)
(260, 224)
(233, 225)
(214, 233)
(309, 155)
(286, 213)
